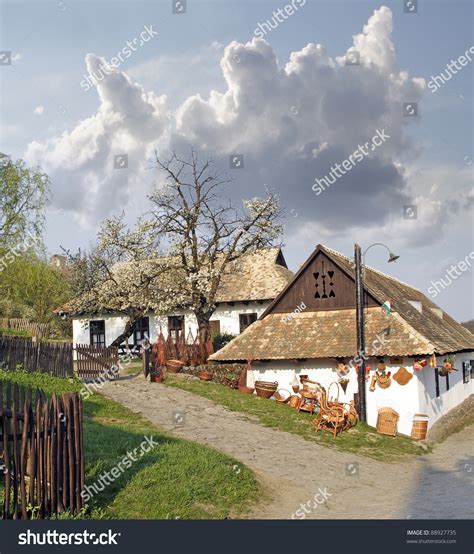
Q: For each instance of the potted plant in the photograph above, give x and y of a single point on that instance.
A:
(448, 366)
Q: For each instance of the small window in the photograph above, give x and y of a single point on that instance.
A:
(246, 319)
(141, 330)
(466, 372)
(175, 326)
(97, 332)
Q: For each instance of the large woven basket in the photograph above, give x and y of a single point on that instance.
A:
(174, 366)
(265, 389)
(387, 421)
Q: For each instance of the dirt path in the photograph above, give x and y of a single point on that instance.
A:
(320, 482)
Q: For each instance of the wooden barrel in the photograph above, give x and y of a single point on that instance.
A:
(420, 427)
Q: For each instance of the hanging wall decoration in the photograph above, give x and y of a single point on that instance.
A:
(419, 364)
(343, 383)
(402, 376)
(383, 379)
(433, 361)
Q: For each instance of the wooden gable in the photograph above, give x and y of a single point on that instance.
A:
(321, 284)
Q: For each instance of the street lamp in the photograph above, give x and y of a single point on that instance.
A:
(359, 260)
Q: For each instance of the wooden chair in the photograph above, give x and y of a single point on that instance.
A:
(331, 416)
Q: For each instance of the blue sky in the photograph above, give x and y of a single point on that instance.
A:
(427, 162)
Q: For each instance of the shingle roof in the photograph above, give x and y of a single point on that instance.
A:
(333, 333)
(323, 334)
(255, 276)
(446, 334)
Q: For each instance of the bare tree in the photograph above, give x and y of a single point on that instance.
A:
(203, 236)
(206, 234)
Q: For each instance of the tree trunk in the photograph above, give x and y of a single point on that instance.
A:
(204, 327)
(128, 331)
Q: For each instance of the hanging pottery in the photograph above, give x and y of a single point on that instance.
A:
(383, 379)
(373, 382)
(433, 361)
(402, 376)
(419, 364)
(343, 383)
(342, 369)
(367, 372)
(381, 365)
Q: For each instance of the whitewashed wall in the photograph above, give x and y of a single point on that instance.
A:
(115, 324)
(417, 396)
(448, 399)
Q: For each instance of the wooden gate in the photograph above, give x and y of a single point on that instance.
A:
(93, 361)
(41, 453)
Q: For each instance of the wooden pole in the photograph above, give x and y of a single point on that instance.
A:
(359, 286)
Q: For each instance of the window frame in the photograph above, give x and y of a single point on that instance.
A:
(93, 333)
(253, 316)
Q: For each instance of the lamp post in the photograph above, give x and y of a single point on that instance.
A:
(359, 260)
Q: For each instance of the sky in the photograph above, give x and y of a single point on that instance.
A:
(276, 100)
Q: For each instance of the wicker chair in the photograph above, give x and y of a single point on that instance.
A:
(331, 417)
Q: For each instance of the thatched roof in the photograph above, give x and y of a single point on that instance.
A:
(320, 334)
(256, 276)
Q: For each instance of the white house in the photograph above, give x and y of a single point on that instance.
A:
(311, 327)
(243, 296)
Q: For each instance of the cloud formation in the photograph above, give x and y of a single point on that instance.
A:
(291, 122)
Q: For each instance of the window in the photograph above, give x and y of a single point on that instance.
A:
(466, 372)
(175, 325)
(246, 319)
(97, 332)
(141, 330)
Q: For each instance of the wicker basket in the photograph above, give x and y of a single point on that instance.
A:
(294, 401)
(420, 427)
(282, 395)
(265, 389)
(387, 421)
(174, 366)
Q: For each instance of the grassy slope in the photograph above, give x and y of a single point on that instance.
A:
(361, 439)
(177, 479)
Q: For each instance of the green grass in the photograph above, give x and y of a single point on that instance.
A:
(361, 439)
(177, 479)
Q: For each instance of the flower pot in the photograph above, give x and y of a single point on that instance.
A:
(205, 375)
(246, 390)
(157, 378)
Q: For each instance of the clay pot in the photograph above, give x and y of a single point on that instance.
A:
(205, 375)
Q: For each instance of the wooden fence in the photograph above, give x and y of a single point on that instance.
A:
(41, 453)
(187, 348)
(92, 361)
(46, 357)
(38, 330)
